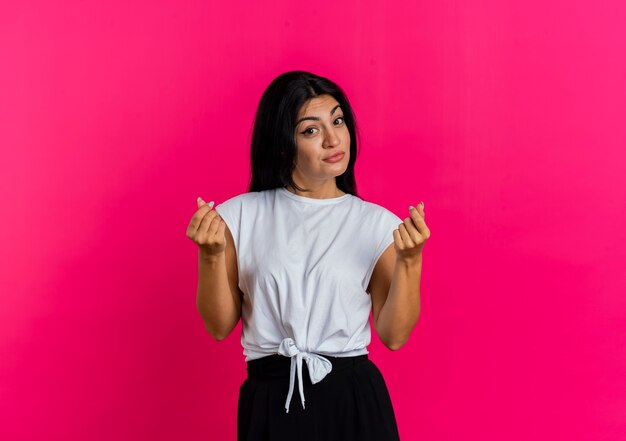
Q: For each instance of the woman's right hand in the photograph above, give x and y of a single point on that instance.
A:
(207, 230)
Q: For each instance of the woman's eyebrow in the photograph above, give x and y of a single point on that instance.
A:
(316, 118)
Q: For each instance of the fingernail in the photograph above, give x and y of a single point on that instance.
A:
(211, 204)
(422, 203)
(411, 207)
(199, 199)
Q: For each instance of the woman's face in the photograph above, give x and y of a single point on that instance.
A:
(320, 133)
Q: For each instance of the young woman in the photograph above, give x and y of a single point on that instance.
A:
(302, 260)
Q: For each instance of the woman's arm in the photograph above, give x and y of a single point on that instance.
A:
(219, 297)
(395, 282)
(395, 291)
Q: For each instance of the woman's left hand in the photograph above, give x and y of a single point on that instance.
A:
(411, 235)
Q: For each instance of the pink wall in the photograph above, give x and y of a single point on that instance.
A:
(507, 118)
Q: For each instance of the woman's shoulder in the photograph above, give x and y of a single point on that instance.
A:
(246, 196)
(377, 210)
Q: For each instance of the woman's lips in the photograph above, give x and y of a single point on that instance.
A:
(336, 158)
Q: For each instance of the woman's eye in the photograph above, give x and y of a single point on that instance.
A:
(307, 131)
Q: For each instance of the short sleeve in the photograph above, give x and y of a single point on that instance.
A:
(385, 223)
(230, 212)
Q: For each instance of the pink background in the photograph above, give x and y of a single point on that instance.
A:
(507, 118)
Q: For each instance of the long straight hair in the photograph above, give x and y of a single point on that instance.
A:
(273, 148)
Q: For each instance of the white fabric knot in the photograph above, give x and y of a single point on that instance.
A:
(317, 365)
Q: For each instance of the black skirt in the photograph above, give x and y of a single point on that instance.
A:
(351, 402)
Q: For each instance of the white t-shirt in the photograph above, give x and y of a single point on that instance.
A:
(304, 266)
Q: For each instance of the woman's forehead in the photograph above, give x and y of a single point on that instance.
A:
(319, 103)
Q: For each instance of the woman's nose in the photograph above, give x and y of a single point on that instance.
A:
(332, 138)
